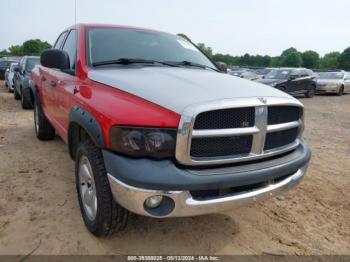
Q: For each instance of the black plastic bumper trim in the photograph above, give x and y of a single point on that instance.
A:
(165, 175)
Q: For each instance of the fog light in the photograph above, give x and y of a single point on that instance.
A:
(153, 201)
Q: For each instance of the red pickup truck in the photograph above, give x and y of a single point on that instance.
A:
(156, 128)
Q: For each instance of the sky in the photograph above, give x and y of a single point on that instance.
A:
(233, 27)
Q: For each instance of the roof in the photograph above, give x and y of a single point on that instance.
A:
(86, 25)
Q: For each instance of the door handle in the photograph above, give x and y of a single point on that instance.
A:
(75, 90)
(53, 83)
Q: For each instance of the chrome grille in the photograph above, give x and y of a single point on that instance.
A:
(221, 146)
(283, 114)
(225, 118)
(280, 138)
(261, 128)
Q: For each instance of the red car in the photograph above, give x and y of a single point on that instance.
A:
(156, 128)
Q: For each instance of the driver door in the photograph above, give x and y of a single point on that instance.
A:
(347, 82)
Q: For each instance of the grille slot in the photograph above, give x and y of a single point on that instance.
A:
(283, 114)
(221, 146)
(281, 138)
(226, 118)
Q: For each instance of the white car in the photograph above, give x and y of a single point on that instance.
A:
(333, 82)
(9, 77)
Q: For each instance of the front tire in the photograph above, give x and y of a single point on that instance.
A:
(101, 214)
(341, 91)
(43, 129)
(26, 101)
(16, 95)
(311, 93)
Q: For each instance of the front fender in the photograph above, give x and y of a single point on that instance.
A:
(82, 118)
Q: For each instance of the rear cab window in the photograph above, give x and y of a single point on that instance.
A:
(70, 46)
(60, 40)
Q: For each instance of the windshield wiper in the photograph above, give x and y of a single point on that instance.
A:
(189, 63)
(127, 61)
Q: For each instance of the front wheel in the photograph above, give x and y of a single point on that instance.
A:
(43, 128)
(16, 95)
(26, 101)
(341, 91)
(311, 92)
(101, 214)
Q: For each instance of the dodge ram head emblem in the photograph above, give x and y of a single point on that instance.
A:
(263, 100)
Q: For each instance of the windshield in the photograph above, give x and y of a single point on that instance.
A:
(31, 62)
(12, 67)
(264, 71)
(106, 44)
(331, 75)
(279, 74)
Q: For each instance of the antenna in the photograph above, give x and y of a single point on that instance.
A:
(75, 12)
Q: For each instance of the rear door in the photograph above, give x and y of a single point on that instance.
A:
(18, 75)
(293, 85)
(66, 85)
(305, 80)
(47, 81)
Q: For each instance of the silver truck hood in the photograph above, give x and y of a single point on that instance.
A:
(177, 88)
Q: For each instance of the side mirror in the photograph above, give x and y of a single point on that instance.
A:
(7, 70)
(55, 58)
(222, 66)
(293, 77)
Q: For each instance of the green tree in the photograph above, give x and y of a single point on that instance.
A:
(35, 46)
(344, 60)
(275, 61)
(329, 61)
(310, 59)
(4, 52)
(266, 60)
(291, 57)
(289, 51)
(206, 49)
(245, 60)
(16, 50)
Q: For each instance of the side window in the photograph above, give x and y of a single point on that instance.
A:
(309, 72)
(70, 46)
(22, 63)
(295, 73)
(60, 40)
(303, 73)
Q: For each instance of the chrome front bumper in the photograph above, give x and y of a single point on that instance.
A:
(183, 204)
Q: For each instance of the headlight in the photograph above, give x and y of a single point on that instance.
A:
(143, 141)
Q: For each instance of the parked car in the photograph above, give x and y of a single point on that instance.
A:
(162, 133)
(294, 81)
(9, 74)
(5, 63)
(22, 79)
(262, 72)
(246, 74)
(333, 82)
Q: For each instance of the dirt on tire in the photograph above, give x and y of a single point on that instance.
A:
(39, 209)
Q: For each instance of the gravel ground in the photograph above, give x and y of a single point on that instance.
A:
(39, 208)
